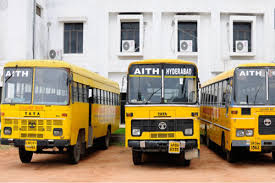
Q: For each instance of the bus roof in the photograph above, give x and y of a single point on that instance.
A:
(166, 61)
(230, 73)
(61, 64)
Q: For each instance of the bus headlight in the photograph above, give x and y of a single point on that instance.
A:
(188, 131)
(136, 132)
(240, 133)
(7, 130)
(57, 132)
(249, 132)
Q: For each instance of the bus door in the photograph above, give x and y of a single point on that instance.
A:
(90, 129)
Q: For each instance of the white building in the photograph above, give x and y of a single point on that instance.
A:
(215, 34)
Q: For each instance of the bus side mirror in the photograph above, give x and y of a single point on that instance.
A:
(90, 95)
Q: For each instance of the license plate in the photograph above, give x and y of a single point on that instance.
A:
(174, 147)
(31, 145)
(255, 145)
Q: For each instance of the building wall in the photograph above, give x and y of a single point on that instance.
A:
(101, 32)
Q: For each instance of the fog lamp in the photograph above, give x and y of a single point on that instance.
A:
(240, 133)
(57, 132)
(136, 132)
(7, 130)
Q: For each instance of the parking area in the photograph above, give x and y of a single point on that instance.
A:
(115, 164)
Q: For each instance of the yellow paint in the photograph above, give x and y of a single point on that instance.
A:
(47, 117)
(218, 115)
(173, 111)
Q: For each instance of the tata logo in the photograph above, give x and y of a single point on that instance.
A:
(267, 122)
(162, 113)
(147, 71)
(32, 114)
(162, 125)
(32, 124)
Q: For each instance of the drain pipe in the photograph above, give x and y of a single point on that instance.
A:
(33, 29)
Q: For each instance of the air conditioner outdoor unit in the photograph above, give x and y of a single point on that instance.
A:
(128, 45)
(55, 54)
(241, 46)
(186, 45)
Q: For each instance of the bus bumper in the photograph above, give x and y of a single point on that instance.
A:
(40, 143)
(266, 145)
(190, 146)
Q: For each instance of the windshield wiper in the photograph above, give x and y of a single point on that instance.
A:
(152, 94)
(11, 74)
(256, 95)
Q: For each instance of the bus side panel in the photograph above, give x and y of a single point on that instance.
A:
(80, 112)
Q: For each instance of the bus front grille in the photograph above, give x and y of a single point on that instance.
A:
(155, 126)
(32, 128)
(266, 125)
(162, 135)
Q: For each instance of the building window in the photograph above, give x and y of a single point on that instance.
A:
(73, 37)
(242, 35)
(130, 34)
(38, 10)
(129, 37)
(187, 37)
(242, 32)
(186, 34)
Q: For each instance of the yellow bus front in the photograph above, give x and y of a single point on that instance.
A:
(162, 111)
(252, 113)
(35, 110)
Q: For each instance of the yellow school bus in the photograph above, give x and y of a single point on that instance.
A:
(238, 110)
(56, 107)
(162, 109)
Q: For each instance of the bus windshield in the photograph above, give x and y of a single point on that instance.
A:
(17, 85)
(144, 84)
(180, 83)
(162, 83)
(51, 86)
(250, 86)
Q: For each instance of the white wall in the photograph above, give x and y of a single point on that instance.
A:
(101, 34)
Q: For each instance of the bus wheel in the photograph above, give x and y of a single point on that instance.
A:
(25, 156)
(231, 156)
(106, 140)
(186, 162)
(75, 151)
(223, 150)
(137, 157)
(208, 142)
(273, 156)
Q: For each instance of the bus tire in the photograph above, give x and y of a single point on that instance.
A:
(25, 156)
(208, 142)
(186, 162)
(106, 140)
(231, 156)
(137, 157)
(223, 150)
(273, 156)
(75, 151)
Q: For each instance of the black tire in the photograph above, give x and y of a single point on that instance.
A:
(186, 162)
(273, 156)
(75, 151)
(106, 140)
(223, 150)
(231, 156)
(137, 157)
(25, 156)
(208, 142)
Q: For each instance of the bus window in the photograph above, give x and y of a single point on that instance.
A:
(84, 91)
(80, 94)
